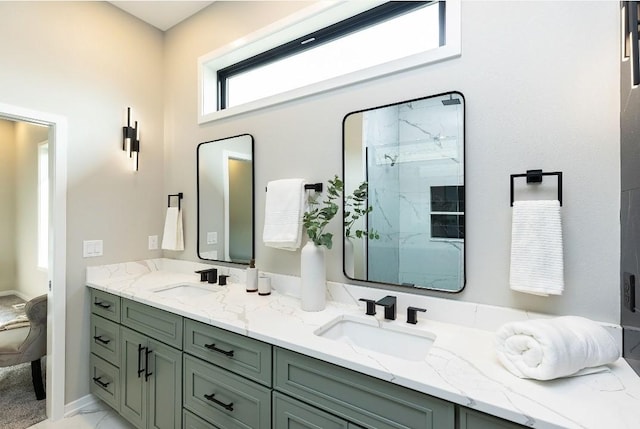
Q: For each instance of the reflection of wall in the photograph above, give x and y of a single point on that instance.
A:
(354, 174)
(211, 170)
(412, 148)
(240, 210)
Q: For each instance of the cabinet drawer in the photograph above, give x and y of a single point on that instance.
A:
(105, 381)
(158, 324)
(105, 304)
(470, 419)
(231, 401)
(363, 400)
(245, 356)
(291, 414)
(105, 339)
(191, 421)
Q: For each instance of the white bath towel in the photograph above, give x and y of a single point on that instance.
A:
(284, 208)
(537, 265)
(172, 239)
(545, 349)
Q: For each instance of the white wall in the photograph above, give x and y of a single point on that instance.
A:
(541, 84)
(89, 61)
(7, 206)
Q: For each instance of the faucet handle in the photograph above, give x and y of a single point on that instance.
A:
(371, 306)
(412, 314)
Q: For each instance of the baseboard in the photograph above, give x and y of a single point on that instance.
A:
(72, 408)
(15, 292)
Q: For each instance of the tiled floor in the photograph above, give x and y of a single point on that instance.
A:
(97, 416)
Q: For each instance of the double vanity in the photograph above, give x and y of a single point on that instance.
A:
(169, 351)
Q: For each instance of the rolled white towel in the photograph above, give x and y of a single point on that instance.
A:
(545, 349)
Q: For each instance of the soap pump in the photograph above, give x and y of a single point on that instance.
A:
(252, 276)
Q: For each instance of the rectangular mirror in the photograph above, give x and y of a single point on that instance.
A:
(403, 170)
(225, 199)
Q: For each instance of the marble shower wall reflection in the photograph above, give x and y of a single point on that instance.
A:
(412, 156)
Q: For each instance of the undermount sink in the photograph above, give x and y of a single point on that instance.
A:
(380, 337)
(185, 290)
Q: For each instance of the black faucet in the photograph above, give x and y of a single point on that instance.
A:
(210, 275)
(389, 304)
(371, 306)
(412, 314)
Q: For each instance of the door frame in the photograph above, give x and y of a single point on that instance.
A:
(56, 296)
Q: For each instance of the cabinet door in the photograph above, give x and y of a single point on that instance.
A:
(164, 364)
(105, 304)
(289, 413)
(470, 419)
(105, 336)
(133, 396)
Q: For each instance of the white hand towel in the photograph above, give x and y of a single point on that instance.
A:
(284, 208)
(172, 239)
(537, 265)
(545, 349)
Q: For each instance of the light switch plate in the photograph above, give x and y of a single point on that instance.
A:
(153, 242)
(91, 248)
(212, 238)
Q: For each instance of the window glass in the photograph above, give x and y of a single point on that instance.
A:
(405, 35)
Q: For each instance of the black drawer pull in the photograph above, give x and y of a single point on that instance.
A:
(215, 349)
(101, 340)
(147, 374)
(100, 383)
(140, 370)
(212, 398)
(102, 305)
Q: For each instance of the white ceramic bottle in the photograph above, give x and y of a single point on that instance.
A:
(252, 277)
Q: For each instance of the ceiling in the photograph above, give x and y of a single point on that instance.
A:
(161, 14)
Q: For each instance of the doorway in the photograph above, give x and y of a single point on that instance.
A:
(56, 273)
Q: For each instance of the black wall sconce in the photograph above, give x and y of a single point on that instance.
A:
(630, 15)
(131, 140)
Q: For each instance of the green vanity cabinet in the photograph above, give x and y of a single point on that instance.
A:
(227, 378)
(150, 380)
(105, 305)
(358, 398)
(471, 419)
(289, 413)
(104, 360)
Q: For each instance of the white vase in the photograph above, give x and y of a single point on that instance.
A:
(314, 277)
(349, 269)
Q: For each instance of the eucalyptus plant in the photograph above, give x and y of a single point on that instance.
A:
(355, 207)
(317, 216)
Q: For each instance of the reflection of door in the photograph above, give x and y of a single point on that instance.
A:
(238, 209)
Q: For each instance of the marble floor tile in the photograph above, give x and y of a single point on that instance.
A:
(96, 416)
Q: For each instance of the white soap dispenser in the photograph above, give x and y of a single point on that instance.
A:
(252, 277)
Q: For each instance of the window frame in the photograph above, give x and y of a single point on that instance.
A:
(299, 25)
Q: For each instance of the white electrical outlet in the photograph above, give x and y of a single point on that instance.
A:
(91, 248)
(212, 238)
(153, 242)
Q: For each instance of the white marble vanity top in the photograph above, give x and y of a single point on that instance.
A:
(461, 366)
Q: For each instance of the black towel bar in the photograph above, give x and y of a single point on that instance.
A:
(179, 195)
(535, 176)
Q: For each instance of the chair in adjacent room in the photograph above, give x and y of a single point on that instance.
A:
(27, 342)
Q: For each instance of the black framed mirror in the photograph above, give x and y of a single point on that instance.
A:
(404, 187)
(225, 185)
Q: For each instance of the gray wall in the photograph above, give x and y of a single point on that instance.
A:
(541, 91)
(88, 61)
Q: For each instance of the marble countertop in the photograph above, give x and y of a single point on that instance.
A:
(460, 367)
